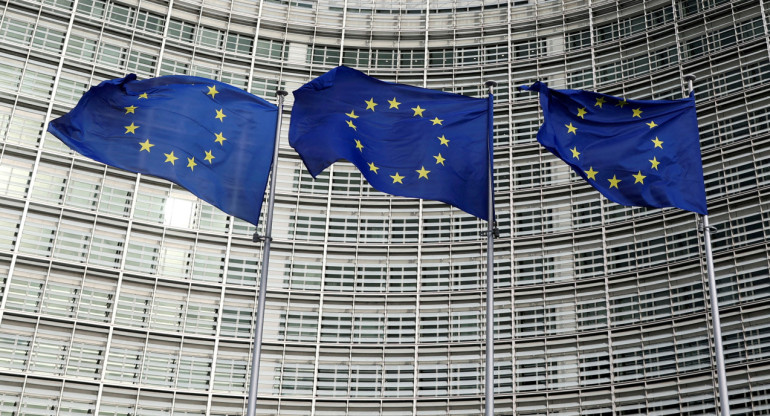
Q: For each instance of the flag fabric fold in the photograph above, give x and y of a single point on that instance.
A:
(213, 139)
(405, 140)
(635, 152)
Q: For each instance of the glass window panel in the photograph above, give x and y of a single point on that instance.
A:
(40, 397)
(195, 365)
(134, 302)
(50, 182)
(15, 174)
(25, 291)
(154, 403)
(202, 311)
(168, 305)
(17, 29)
(10, 394)
(98, 296)
(175, 257)
(238, 314)
(16, 344)
(434, 319)
(627, 357)
(73, 238)
(232, 368)
(433, 372)
(62, 292)
(301, 319)
(143, 251)
(336, 321)
(297, 371)
(50, 349)
(48, 36)
(124, 361)
(150, 201)
(150, 22)
(160, 362)
(366, 373)
(117, 402)
(10, 218)
(86, 354)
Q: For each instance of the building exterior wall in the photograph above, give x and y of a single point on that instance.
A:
(124, 294)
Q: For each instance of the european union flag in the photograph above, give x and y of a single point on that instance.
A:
(635, 152)
(209, 137)
(405, 140)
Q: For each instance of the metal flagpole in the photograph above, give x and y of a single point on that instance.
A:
(724, 398)
(257, 351)
(489, 375)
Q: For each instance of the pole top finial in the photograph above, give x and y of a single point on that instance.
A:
(689, 77)
(282, 93)
(491, 83)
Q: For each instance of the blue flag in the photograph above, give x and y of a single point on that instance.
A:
(405, 140)
(635, 152)
(209, 137)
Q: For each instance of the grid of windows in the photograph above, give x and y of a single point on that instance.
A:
(123, 294)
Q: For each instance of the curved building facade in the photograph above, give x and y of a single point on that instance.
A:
(123, 294)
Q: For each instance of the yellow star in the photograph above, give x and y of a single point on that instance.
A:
(423, 173)
(439, 159)
(621, 104)
(575, 153)
(651, 124)
(350, 124)
(170, 157)
(220, 115)
(582, 112)
(143, 95)
(571, 129)
(437, 121)
(639, 178)
(418, 111)
(191, 163)
(220, 138)
(444, 141)
(352, 114)
(359, 146)
(591, 173)
(637, 112)
(599, 102)
(614, 182)
(131, 109)
(373, 168)
(146, 145)
(212, 91)
(655, 163)
(393, 103)
(370, 104)
(131, 129)
(397, 178)
(209, 157)
(658, 142)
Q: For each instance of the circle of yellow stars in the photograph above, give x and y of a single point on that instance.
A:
(635, 113)
(147, 146)
(418, 111)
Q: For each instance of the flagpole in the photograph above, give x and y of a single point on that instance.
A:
(489, 375)
(724, 398)
(257, 350)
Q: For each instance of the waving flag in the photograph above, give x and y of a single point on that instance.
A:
(405, 140)
(635, 152)
(209, 137)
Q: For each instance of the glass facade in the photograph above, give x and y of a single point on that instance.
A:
(123, 294)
